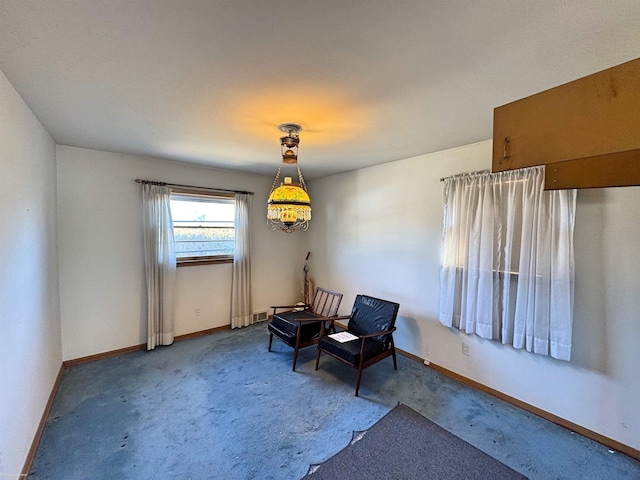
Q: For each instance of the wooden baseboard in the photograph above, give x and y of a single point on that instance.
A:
(585, 432)
(99, 356)
(142, 346)
(43, 420)
(410, 356)
(200, 333)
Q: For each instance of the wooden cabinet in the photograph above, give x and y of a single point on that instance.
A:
(586, 132)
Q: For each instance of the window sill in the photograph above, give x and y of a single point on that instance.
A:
(204, 261)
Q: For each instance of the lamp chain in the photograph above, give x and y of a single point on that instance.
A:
(301, 179)
(275, 180)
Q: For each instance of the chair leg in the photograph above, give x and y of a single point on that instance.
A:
(359, 378)
(270, 340)
(393, 354)
(318, 358)
(295, 358)
(296, 346)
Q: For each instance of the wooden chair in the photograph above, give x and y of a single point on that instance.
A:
(371, 324)
(299, 326)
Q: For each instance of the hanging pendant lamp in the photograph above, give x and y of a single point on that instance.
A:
(289, 205)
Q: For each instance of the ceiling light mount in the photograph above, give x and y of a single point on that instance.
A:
(290, 128)
(290, 142)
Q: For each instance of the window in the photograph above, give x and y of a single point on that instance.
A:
(203, 227)
(507, 269)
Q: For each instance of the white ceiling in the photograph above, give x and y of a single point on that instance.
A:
(371, 81)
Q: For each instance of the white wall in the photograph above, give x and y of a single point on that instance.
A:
(377, 231)
(101, 254)
(30, 355)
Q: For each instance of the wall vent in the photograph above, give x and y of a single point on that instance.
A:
(260, 316)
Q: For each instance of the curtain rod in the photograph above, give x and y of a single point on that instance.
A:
(477, 172)
(210, 189)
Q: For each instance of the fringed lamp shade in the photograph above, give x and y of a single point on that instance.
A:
(289, 207)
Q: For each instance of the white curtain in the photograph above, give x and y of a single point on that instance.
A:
(508, 264)
(241, 282)
(160, 264)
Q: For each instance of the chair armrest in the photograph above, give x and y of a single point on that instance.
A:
(377, 334)
(331, 320)
(300, 306)
(297, 305)
(334, 318)
(317, 318)
(341, 317)
(369, 335)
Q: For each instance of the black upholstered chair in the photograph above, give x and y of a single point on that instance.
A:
(299, 325)
(371, 323)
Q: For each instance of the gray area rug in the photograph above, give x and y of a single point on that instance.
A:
(406, 445)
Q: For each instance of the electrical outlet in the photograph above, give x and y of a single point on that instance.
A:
(197, 311)
(466, 348)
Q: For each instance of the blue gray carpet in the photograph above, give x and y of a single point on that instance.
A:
(222, 406)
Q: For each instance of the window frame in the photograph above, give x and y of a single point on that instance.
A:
(209, 259)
